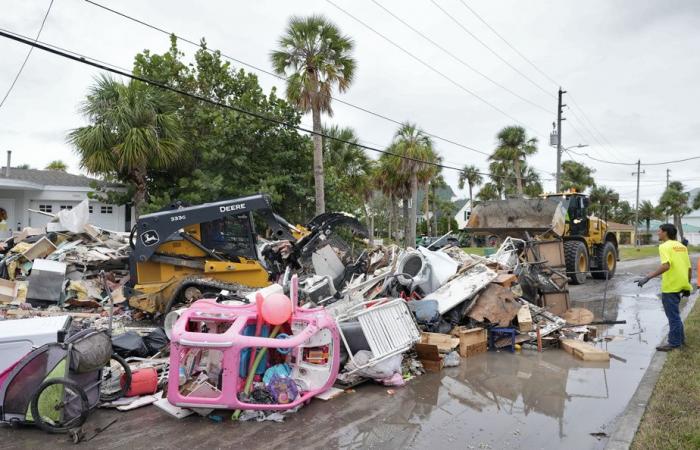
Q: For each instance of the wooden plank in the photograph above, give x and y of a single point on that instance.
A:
(584, 351)
(524, 319)
(505, 279)
(444, 342)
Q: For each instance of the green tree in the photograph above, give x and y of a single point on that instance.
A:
(488, 191)
(231, 154)
(647, 213)
(57, 165)
(696, 201)
(315, 57)
(603, 200)
(23, 166)
(623, 213)
(674, 202)
(414, 146)
(134, 129)
(576, 176)
(513, 148)
(472, 177)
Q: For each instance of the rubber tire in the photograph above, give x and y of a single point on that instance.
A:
(572, 253)
(601, 260)
(49, 428)
(127, 381)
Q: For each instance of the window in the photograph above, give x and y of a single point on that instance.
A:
(90, 209)
(46, 208)
(105, 210)
(68, 207)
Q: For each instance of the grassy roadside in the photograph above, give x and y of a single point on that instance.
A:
(628, 252)
(671, 420)
(474, 250)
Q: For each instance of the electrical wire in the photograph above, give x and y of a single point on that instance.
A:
(272, 74)
(460, 60)
(433, 69)
(76, 57)
(663, 163)
(26, 58)
(475, 37)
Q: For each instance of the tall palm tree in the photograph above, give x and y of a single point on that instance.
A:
(425, 180)
(472, 177)
(315, 57)
(603, 199)
(488, 191)
(57, 165)
(576, 176)
(674, 201)
(514, 146)
(647, 213)
(134, 128)
(392, 183)
(415, 146)
(623, 213)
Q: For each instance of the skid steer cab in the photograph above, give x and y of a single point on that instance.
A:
(182, 253)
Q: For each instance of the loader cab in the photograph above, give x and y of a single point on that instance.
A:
(233, 236)
(576, 212)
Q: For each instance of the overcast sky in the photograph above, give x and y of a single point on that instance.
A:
(630, 67)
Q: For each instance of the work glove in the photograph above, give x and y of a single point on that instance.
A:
(642, 281)
(685, 293)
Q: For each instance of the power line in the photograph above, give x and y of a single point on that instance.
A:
(26, 58)
(272, 74)
(460, 60)
(466, 30)
(433, 69)
(76, 57)
(509, 44)
(634, 164)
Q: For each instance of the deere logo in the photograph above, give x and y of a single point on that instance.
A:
(234, 207)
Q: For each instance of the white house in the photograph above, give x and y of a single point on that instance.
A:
(51, 191)
(693, 218)
(462, 215)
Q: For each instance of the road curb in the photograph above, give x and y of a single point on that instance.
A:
(628, 422)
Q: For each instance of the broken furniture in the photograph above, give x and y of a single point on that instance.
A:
(46, 282)
(502, 332)
(210, 357)
(472, 341)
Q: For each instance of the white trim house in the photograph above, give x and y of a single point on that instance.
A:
(50, 191)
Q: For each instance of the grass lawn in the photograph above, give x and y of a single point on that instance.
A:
(628, 252)
(474, 250)
(672, 418)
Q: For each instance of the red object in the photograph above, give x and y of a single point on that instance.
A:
(143, 382)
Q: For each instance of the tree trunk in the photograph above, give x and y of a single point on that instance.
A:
(138, 177)
(389, 235)
(471, 207)
(518, 175)
(414, 210)
(679, 225)
(406, 224)
(368, 219)
(648, 225)
(318, 163)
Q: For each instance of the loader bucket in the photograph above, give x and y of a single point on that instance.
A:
(517, 215)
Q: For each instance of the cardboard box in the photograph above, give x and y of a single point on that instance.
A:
(474, 349)
(444, 342)
(556, 302)
(8, 291)
(429, 356)
(41, 248)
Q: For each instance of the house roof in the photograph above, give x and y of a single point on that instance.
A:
(51, 178)
(614, 226)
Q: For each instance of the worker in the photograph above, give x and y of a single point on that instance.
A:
(675, 271)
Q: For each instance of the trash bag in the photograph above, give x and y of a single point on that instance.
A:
(452, 359)
(426, 311)
(156, 341)
(90, 352)
(130, 344)
(380, 370)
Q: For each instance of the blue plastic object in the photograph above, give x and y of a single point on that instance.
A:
(498, 332)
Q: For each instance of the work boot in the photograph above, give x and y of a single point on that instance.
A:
(665, 348)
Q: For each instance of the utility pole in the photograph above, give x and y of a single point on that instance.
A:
(560, 107)
(668, 179)
(636, 209)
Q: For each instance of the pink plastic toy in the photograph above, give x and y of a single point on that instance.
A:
(210, 339)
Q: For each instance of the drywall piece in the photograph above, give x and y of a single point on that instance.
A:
(462, 288)
(495, 304)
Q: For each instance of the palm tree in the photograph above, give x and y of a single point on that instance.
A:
(576, 176)
(674, 202)
(472, 177)
(57, 165)
(647, 213)
(134, 129)
(392, 183)
(425, 180)
(514, 147)
(414, 146)
(315, 57)
(488, 191)
(602, 199)
(623, 212)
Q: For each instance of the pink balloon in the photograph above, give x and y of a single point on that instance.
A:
(277, 309)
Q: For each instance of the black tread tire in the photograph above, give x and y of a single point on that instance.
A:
(127, 381)
(49, 428)
(601, 262)
(572, 253)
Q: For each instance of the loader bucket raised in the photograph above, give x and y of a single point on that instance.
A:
(518, 215)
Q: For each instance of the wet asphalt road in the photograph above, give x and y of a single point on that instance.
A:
(496, 400)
